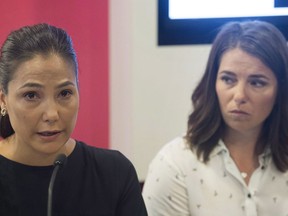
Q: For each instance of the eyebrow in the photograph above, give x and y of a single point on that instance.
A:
(37, 85)
(259, 76)
(250, 76)
(227, 72)
(67, 83)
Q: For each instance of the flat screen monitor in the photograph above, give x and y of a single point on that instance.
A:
(198, 21)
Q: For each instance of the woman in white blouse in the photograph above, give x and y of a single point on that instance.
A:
(233, 160)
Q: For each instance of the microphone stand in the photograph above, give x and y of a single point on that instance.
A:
(60, 160)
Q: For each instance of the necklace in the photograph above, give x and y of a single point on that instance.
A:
(244, 174)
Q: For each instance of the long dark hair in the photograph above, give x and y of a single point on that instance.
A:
(205, 123)
(25, 43)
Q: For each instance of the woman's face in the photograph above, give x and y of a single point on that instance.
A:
(42, 103)
(246, 91)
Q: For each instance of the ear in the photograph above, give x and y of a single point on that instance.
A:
(2, 98)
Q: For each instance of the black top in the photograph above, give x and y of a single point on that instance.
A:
(93, 182)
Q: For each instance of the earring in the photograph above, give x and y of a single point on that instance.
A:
(3, 111)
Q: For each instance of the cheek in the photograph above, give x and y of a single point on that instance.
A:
(266, 104)
(72, 112)
(22, 121)
(218, 91)
(221, 95)
(22, 112)
(270, 97)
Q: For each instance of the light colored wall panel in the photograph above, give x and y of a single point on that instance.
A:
(150, 86)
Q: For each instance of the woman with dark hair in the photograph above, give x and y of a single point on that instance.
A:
(233, 159)
(39, 101)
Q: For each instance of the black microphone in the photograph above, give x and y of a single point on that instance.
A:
(59, 162)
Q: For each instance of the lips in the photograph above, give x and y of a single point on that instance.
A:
(48, 133)
(239, 115)
(239, 112)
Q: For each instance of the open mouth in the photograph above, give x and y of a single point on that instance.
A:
(49, 133)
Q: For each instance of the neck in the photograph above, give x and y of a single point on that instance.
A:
(242, 149)
(241, 139)
(15, 152)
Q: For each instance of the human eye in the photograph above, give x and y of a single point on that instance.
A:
(31, 96)
(258, 83)
(228, 79)
(65, 93)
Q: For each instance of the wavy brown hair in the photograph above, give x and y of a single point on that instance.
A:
(205, 123)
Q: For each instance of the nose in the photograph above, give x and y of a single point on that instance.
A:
(240, 94)
(51, 112)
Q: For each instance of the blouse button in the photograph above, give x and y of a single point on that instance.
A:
(249, 195)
